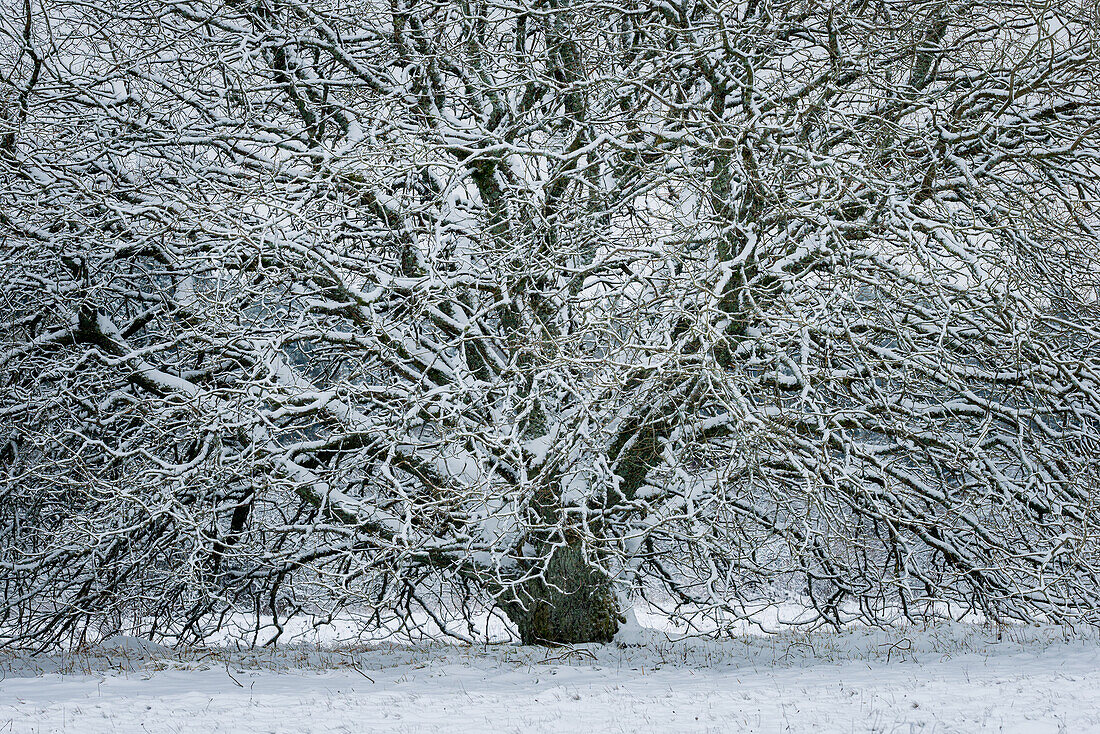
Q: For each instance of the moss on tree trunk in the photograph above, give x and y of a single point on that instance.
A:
(571, 602)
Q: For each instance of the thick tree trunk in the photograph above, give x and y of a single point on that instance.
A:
(571, 602)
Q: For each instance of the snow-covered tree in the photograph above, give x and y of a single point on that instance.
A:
(547, 305)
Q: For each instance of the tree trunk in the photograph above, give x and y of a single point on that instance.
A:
(571, 602)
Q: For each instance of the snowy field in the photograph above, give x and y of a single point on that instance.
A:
(953, 678)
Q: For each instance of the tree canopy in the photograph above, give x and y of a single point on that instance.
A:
(425, 307)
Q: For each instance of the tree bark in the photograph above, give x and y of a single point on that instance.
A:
(571, 602)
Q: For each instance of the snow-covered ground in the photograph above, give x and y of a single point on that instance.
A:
(952, 678)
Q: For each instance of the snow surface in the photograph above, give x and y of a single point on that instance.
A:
(953, 678)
